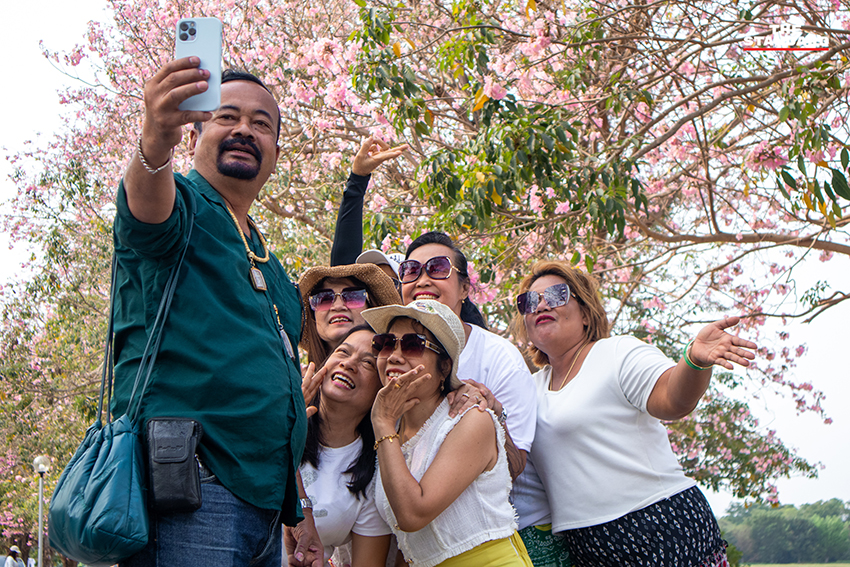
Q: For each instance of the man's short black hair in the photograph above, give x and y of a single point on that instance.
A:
(239, 75)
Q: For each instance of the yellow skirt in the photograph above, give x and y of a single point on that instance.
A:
(507, 552)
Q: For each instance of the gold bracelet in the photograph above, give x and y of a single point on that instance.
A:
(150, 169)
(385, 438)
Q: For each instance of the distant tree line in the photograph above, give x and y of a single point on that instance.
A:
(814, 533)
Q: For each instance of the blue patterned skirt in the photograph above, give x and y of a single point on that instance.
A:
(680, 531)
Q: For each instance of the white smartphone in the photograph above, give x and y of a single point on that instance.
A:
(201, 37)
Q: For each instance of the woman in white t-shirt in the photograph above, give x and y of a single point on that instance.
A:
(338, 466)
(616, 491)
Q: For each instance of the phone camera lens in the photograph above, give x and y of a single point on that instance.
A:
(183, 37)
(184, 26)
(192, 31)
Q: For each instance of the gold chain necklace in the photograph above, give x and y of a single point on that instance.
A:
(257, 279)
(575, 358)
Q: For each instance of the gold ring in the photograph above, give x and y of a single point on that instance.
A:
(464, 395)
(477, 399)
(397, 385)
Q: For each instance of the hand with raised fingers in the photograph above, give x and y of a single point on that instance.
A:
(713, 345)
(397, 397)
(372, 153)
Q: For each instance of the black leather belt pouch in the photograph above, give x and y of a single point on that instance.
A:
(174, 485)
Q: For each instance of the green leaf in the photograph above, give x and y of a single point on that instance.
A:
(816, 191)
(562, 136)
(361, 3)
(801, 164)
(783, 114)
(828, 190)
(839, 183)
(782, 189)
(790, 181)
(845, 158)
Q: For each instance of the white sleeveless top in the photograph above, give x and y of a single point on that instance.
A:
(481, 513)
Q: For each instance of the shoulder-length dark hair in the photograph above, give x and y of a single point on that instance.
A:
(362, 469)
(469, 312)
(583, 288)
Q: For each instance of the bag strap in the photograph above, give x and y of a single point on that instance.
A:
(106, 374)
(148, 358)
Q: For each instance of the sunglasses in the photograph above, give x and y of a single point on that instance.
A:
(384, 344)
(352, 297)
(555, 296)
(438, 268)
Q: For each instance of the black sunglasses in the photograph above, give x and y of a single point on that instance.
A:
(438, 268)
(384, 344)
(555, 296)
(352, 297)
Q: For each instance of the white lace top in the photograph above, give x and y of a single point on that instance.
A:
(481, 513)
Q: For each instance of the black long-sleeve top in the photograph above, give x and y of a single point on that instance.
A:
(348, 235)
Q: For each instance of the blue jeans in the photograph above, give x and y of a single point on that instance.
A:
(224, 532)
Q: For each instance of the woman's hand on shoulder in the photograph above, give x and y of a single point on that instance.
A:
(713, 345)
(472, 393)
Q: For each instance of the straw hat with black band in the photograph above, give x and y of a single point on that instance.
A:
(378, 285)
(379, 288)
(439, 319)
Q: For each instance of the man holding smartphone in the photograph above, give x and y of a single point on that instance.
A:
(227, 358)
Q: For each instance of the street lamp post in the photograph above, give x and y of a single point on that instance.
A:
(41, 464)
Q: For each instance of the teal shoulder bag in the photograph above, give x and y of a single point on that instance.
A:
(98, 513)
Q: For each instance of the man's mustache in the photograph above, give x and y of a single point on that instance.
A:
(243, 144)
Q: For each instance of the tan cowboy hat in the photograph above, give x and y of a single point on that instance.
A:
(378, 285)
(446, 327)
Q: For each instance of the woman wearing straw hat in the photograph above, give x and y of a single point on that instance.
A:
(332, 300)
(443, 482)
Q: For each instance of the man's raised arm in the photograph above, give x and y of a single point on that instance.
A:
(148, 181)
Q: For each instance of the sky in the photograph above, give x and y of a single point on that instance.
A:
(32, 113)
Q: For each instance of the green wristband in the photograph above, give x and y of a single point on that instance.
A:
(688, 359)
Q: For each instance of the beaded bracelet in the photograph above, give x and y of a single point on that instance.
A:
(145, 163)
(384, 438)
(688, 360)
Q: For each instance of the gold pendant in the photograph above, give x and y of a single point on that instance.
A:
(257, 279)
